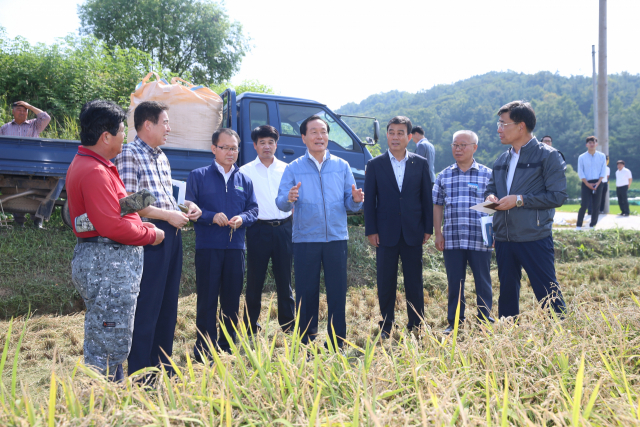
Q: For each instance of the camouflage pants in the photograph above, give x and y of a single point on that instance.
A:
(108, 278)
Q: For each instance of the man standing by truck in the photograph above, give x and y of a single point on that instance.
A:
(20, 126)
(229, 206)
(320, 188)
(142, 164)
(107, 262)
(270, 237)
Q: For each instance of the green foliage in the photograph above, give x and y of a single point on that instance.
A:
(573, 183)
(184, 36)
(244, 86)
(61, 77)
(563, 108)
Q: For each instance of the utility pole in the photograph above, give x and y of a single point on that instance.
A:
(603, 92)
(594, 80)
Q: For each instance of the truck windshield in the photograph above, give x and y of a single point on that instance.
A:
(291, 116)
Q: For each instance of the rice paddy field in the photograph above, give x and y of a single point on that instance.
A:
(540, 370)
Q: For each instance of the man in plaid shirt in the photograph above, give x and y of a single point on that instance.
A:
(142, 164)
(457, 188)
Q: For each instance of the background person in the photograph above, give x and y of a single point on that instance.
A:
(623, 183)
(425, 149)
(592, 169)
(547, 140)
(142, 164)
(528, 183)
(107, 263)
(320, 188)
(398, 221)
(229, 206)
(20, 126)
(457, 188)
(270, 237)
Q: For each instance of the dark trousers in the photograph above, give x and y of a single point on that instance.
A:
(537, 258)
(387, 274)
(605, 194)
(266, 242)
(219, 272)
(455, 262)
(623, 200)
(157, 309)
(589, 197)
(307, 260)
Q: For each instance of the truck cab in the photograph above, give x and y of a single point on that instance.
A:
(249, 110)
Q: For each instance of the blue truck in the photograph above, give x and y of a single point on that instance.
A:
(33, 170)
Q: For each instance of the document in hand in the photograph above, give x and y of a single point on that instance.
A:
(485, 207)
(486, 223)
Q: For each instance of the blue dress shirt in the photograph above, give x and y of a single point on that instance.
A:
(592, 167)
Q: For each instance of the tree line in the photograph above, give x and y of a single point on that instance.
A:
(563, 106)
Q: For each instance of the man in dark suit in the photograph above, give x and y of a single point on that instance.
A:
(398, 215)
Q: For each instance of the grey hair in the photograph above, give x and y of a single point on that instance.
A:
(472, 134)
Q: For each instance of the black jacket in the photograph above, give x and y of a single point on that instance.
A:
(389, 212)
(540, 179)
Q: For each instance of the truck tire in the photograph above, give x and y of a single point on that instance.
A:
(66, 215)
(21, 205)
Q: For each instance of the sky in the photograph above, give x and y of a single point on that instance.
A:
(341, 51)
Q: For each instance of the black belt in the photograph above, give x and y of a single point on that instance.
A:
(97, 239)
(275, 222)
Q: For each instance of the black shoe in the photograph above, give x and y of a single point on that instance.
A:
(448, 330)
(37, 223)
(384, 335)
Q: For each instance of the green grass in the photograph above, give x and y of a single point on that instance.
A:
(583, 370)
(614, 209)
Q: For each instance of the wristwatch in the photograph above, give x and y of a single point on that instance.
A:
(519, 201)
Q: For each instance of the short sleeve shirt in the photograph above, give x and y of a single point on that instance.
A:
(457, 191)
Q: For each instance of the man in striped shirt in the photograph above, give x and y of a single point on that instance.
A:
(20, 126)
(457, 188)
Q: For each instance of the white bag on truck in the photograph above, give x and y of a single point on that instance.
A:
(195, 112)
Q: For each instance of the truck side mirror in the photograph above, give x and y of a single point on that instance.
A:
(376, 130)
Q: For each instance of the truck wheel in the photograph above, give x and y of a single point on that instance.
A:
(66, 215)
(21, 205)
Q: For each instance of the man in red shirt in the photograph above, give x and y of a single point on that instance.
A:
(107, 262)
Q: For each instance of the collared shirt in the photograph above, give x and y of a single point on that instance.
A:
(95, 188)
(399, 167)
(30, 128)
(592, 166)
(226, 175)
(457, 191)
(266, 181)
(622, 177)
(318, 164)
(141, 166)
(513, 165)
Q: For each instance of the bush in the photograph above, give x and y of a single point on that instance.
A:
(573, 183)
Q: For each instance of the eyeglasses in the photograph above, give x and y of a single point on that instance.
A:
(502, 125)
(460, 146)
(230, 149)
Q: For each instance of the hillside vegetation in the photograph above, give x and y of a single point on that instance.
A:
(563, 107)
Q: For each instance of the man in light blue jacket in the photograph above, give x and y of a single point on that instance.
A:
(321, 188)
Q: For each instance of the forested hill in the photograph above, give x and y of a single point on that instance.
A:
(563, 107)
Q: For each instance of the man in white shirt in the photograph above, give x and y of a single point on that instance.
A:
(270, 237)
(623, 182)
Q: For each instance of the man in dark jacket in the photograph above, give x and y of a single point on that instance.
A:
(228, 206)
(527, 183)
(398, 215)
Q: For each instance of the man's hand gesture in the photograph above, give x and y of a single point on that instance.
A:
(357, 193)
(293, 193)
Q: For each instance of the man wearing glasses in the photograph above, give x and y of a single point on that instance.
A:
(229, 206)
(457, 188)
(527, 184)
